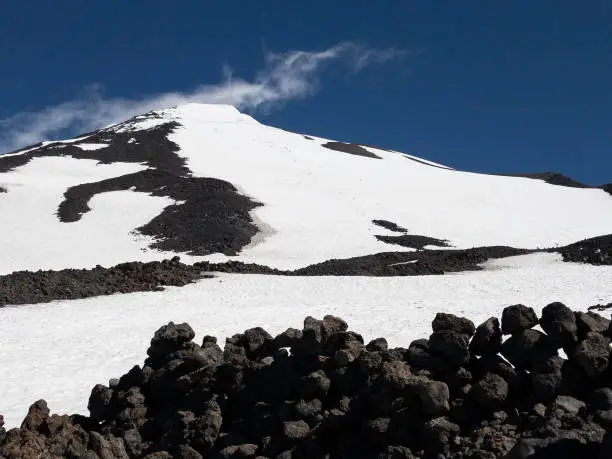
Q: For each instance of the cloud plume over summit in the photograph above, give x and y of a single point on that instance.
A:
(286, 76)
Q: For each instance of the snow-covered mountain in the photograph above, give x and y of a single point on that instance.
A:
(208, 183)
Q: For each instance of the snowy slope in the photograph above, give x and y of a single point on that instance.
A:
(77, 344)
(318, 203)
(32, 236)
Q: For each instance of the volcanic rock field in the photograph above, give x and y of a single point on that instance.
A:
(321, 392)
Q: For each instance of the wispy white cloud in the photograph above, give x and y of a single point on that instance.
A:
(285, 76)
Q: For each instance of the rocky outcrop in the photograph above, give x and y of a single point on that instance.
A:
(27, 287)
(424, 262)
(595, 251)
(323, 392)
(209, 215)
(350, 148)
(552, 178)
(413, 241)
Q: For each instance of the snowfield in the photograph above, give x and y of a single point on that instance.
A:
(59, 351)
(34, 238)
(318, 203)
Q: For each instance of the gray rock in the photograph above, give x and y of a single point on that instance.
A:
(450, 345)
(377, 345)
(434, 396)
(187, 452)
(490, 392)
(238, 451)
(591, 322)
(601, 399)
(332, 325)
(397, 374)
(170, 338)
(308, 409)
(255, 338)
(444, 321)
(288, 338)
(158, 455)
(369, 362)
(99, 401)
(377, 428)
(295, 430)
(569, 404)
(396, 452)
(517, 318)
(559, 323)
(314, 385)
(133, 442)
(525, 346)
(439, 433)
(349, 354)
(592, 354)
(545, 386)
(487, 339)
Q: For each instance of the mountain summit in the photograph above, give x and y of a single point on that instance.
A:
(209, 183)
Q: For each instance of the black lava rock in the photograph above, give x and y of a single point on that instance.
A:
(331, 396)
(517, 318)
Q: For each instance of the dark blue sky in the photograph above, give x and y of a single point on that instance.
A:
(491, 86)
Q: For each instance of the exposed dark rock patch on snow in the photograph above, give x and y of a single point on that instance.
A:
(406, 156)
(390, 226)
(27, 287)
(150, 147)
(9, 163)
(351, 148)
(334, 396)
(308, 137)
(413, 241)
(595, 251)
(410, 263)
(2, 190)
(554, 178)
(211, 216)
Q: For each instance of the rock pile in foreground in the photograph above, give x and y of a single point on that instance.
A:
(321, 392)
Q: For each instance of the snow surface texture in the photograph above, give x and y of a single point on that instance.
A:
(318, 203)
(77, 344)
(34, 238)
